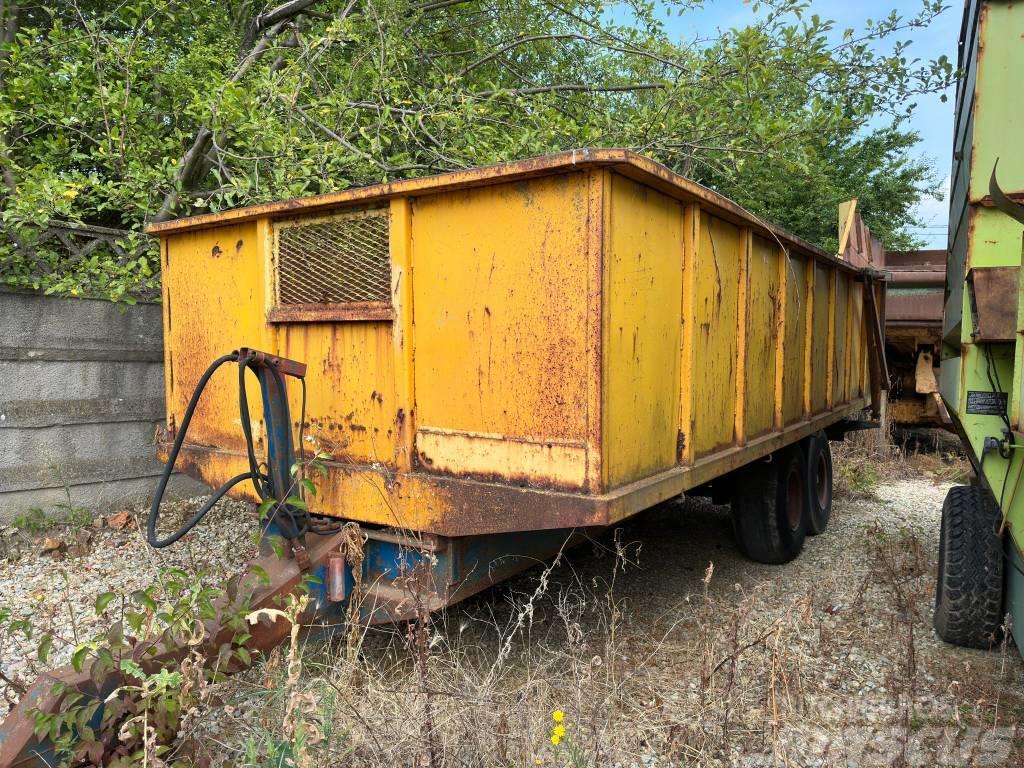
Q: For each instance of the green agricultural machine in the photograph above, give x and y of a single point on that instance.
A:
(980, 590)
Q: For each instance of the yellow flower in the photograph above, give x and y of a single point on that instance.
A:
(558, 715)
(537, 761)
(555, 738)
(559, 731)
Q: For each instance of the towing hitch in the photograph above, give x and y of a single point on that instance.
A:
(315, 546)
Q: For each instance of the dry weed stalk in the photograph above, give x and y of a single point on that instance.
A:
(722, 678)
(300, 724)
(352, 548)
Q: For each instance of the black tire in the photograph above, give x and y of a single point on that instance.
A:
(969, 586)
(769, 507)
(819, 484)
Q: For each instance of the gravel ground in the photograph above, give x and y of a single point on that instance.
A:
(658, 658)
(57, 591)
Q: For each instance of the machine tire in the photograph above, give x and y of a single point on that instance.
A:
(769, 507)
(819, 483)
(969, 585)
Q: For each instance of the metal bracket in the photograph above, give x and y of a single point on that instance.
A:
(877, 365)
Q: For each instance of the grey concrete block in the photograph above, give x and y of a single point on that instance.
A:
(47, 380)
(100, 498)
(45, 322)
(81, 394)
(35, 414)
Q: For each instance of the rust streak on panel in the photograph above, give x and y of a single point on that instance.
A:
(597, 185)
(780, 338)
(691, 258)
(833, 277)
(809, 372)
(742, 337)
(993, 292)
(848, 390)
(401, 245)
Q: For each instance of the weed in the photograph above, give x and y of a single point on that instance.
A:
(74, 517)
(33, 522)
(564, 666)
(857, 479)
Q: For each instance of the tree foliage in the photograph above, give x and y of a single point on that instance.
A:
(119, 113)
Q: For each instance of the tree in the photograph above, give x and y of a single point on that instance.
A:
(114, 114)
(875, 168)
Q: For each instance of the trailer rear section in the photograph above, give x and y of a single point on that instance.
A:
(913, 337)
(913, 320)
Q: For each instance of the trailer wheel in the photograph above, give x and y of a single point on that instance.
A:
(969, 587)
(769, 507)
(819, 483)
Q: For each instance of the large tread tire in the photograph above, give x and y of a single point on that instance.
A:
(819, 484)
(969, 587)
(769, 507)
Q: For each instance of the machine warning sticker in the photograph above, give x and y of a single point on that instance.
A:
(986, 403)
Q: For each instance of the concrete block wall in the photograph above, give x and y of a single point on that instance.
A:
(81, 394)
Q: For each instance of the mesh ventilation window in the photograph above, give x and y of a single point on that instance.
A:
(341, 260)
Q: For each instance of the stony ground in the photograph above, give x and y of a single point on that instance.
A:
(658, 645)
(52, 572)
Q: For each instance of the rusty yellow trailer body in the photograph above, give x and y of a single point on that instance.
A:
(546, 344)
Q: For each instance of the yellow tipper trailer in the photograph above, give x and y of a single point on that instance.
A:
(502, 355)
(493, 362)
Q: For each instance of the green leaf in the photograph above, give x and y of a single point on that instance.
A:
(264, 508)
(277, 544)
(261, 574)
(45, 645)
(78, 657)
(103, 601)
(132, 668)
(143, 599)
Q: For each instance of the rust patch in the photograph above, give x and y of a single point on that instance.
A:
(993, 300)
(923, 308)
(367, 311)
(423, 463)
(516, 480)
(472, 504)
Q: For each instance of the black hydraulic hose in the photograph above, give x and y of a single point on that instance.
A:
(151, 523)
(154, 511)
(293, 522)
(258, 480)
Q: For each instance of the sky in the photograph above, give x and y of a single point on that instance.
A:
(933, 119)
